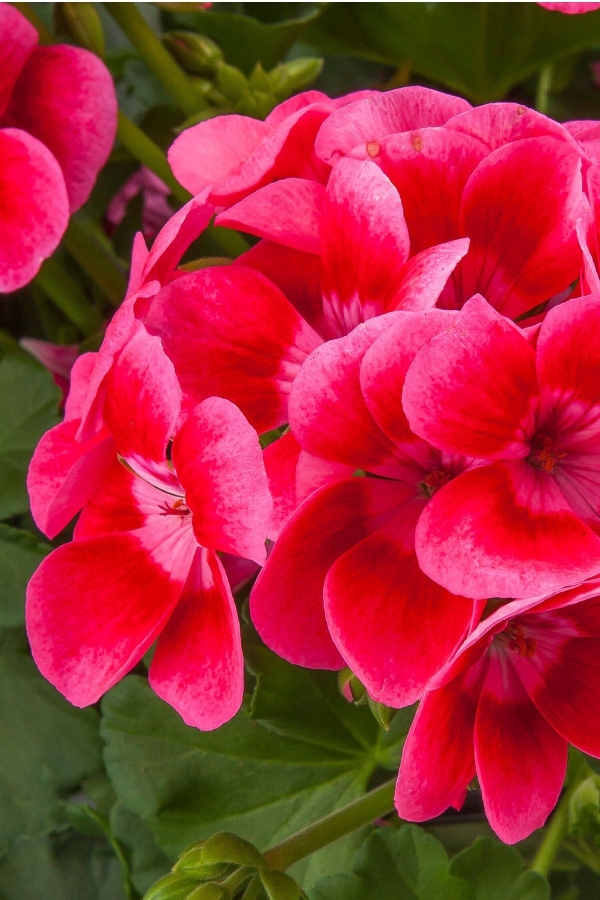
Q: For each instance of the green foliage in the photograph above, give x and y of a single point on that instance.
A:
(409, 864)
(20, 554)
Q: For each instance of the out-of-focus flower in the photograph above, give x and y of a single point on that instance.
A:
(571, 9)
(143, 562)
(59, 359)
(156, 210)
(58, 117)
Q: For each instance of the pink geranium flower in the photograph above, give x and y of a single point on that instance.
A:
(522, 686)
(58, 118)
(528, 405)
(143, 562)
(342, 584)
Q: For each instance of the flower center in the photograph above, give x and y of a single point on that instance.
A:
(519, 643)
(434, 481)
(544, 454)
(177, 508)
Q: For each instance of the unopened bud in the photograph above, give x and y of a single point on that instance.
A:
(259, 80)
(82, 23)
(191, 863)
(209, 892)
(383, 714)
(171, 887)
(195, 52)
(231, 82)
(293, 76)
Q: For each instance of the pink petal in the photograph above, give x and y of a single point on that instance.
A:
(458, 398)
(125, 502)
(17, 41)
(198, 666)
(327, 413)
(296, 274)
(521, 761)
(205, 154)
(281, 461)
(65, 97)
(286, 602)
(424, 277)
(364, 242)
(89, 622)
(64, 473)
(299, 101)
(219, 462)
(359, 126)
(572, 9)
(504, 530)
(143, 400)
(253, 341)
(81, 377)
(287, 212)
(437, 760)
(394, 626)
(34, 208)
(520, 209)
(568, 355)
(496, 124)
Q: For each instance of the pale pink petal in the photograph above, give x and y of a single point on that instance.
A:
(219, 462)
(81, 376)
(424, 277)
(198, 666)
(496, 124)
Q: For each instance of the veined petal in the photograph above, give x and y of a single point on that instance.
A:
(497, 124)
(425, 276)
(198, 666)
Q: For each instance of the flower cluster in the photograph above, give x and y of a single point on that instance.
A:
(58, 118)
(418, 328)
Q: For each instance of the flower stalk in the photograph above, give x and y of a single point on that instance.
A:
(553, 837)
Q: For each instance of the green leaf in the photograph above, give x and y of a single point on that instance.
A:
(147, 862)
(20, 554)
(28, 407)
(67, 867)
(492, 871)
(47, 747)
(261, 783)
(481, 50)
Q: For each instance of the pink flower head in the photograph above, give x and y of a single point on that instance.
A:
(526, 519)
(346, 259)
(155, 207)
(143, 562)
(342, 584)
(523, 685)
(58, 116)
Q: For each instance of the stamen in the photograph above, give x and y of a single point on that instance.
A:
(544, 455)
(524, 646)
(434, 481)
(178, 508)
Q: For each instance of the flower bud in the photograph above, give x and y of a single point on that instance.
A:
(82, 23)
(293, 76)
(195, 52)
(231, 82)
(171, 887)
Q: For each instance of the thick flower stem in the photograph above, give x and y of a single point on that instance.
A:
(66, 293)
(149, 154)
(553, 837)
(96, 257)
(338, 824)
(155, 55)
(543, 89)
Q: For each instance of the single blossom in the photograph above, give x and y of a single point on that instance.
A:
(521, 688)
(143, 564)
(58, 117)
(527, 519)
(342, 584)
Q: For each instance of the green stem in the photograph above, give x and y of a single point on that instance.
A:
(553, 837)
(95, 255)
(66, 293)
(46, 37)
(147, 152)
(337, 824)
(155, 55)
(543, 89)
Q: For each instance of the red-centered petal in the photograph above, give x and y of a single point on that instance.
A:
(383, 372)
(520, 208)
(496, 124)
(430, 167)
(364, 245)
(287, 212)
(198, 666)
(290, 106)
(287, 151)
(568, 357)
(18, 38)
(437, 760)
(64, 473)
(327, 413)
(296, 274)
(458, 398)
(205, 154)
(424, 277)
(394, 626)
(34, 208)
(174, 238)
(66, 98)
(313, 473)
(281, 462)
(521, 761)
(504, 530)
(143, 399)
(219, 462)
(95, 606)
(125, 502)
(563, 673)
(253, 341)
(286, 603)
(358, 127)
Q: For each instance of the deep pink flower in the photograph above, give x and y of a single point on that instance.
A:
(570, 8)
(155, 207)
(258, 320)
(522, 686)
(58, 117)
(143, 562)
(342, 584)
(527, 520)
